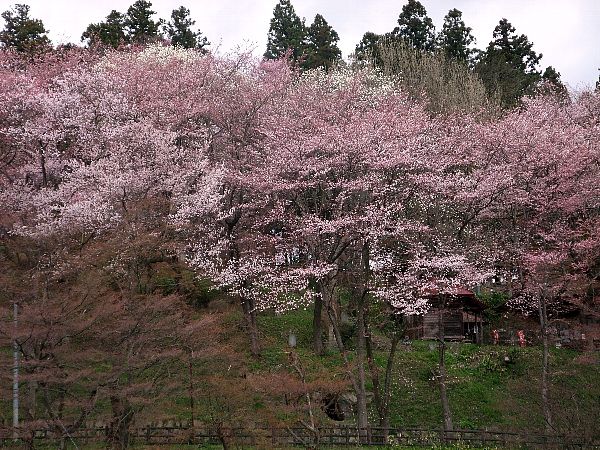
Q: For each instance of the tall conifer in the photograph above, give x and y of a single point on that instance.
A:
(286, 32)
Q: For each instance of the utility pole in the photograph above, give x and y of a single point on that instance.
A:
(15, 374)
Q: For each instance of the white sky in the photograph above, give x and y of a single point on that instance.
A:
(566, 32)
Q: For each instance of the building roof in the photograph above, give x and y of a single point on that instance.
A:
(457, 296)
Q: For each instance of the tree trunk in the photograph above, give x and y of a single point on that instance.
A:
(381, 397)
(545, 364)
(32, 403)
(374, 370)
(42, 149)
(361, 344)
(332, 305)
(361, 413)
(388, 384)
(251, 325)
(32, 410)
(318, 323)
(442, 373)
(191, 391)
(224, 435)
(361, 393)
(119, 427)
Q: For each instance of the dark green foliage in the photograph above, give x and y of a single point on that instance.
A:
(166, 285)
(515, 49)
(369, 48)
(494, 304)
(110, 32)
(286, 32)
(179, 30)
(552, 84)
(139, 25)
(22, 33)
(501, 80)
(550, 75)
(198, 292)
(455, 38)
(168, 279)
(508, 67)
(505, 360)
(321, 46)
(136, 26)
(415, 26)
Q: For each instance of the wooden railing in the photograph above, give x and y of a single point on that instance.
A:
(341, 435)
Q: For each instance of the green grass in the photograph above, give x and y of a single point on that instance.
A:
(484, 390)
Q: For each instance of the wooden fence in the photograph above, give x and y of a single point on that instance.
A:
(270, 437)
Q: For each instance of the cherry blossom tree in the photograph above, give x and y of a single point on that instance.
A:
(534, 176)
(92, 167)
(286, 189)
(360, 201)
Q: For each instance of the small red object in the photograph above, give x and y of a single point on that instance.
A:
(521, 335)
(495, 336)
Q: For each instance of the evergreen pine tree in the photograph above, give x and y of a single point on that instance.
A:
(455, 38)
(552, 84)
(179, 30)
(22, 33)
(368, 48)
(111, 32)
(321, 45)
(415, 27)
(515, 49)
(286, 32)
(508, 67)
(139, 24)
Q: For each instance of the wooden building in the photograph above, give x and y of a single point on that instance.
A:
(460, 314)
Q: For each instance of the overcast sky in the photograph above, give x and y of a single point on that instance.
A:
(566, 32)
